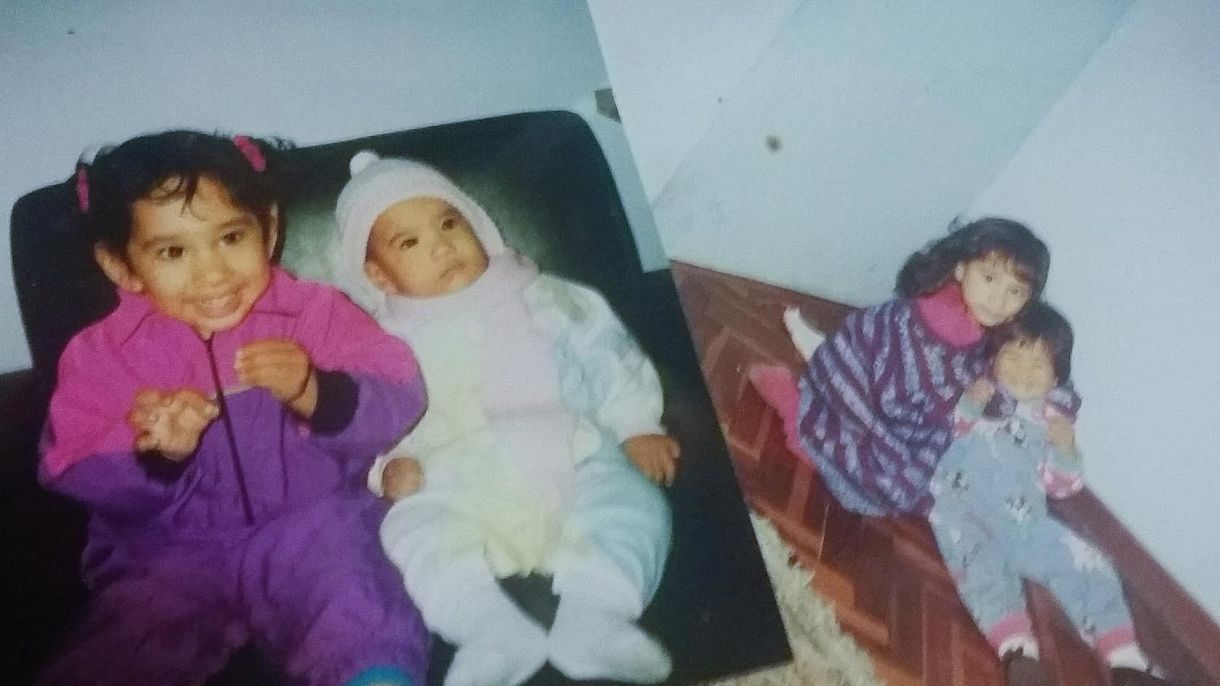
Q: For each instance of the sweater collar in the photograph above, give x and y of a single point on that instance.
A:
(944, 311)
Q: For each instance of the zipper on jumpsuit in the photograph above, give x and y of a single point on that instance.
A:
(247, 510)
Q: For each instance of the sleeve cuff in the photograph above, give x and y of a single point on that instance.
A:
(638, 429)
(374, 476)
(968, 409)
(338, 395)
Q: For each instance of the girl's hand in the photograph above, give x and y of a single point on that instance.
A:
(283, 368)
(1061, 434)
(980, 392)
(401, 477)
(171, 423)
(655, 455)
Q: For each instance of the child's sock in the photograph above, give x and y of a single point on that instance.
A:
(497, 644)
(589, 641)
(507, 649)
(594, 635)
(1128, 655)
(777, 387)
(380, 676)
(1022, 643)
(487, 661)
(805, 338)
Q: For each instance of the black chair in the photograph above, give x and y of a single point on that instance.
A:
(543, 178)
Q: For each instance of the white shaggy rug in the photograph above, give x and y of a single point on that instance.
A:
(822, 654)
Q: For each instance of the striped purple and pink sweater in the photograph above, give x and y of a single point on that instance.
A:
(876, 400)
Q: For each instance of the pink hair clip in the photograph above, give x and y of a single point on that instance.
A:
(249, 149)
(82, 189)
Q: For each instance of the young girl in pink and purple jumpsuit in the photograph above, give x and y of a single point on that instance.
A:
(217, 426)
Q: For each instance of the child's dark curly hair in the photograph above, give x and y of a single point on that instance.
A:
(928, 269)
(170, 164)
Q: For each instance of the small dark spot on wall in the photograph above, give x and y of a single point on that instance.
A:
(774, 144)
(71, 32)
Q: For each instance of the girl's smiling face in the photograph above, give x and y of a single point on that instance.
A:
(991, 289)
(204, 263)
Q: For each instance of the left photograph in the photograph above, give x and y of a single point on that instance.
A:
(400, 409)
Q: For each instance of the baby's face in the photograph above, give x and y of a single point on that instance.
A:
(423, 248)
(1025, 368)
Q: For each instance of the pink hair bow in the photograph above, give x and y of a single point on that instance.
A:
(82, 189)
(249, 150)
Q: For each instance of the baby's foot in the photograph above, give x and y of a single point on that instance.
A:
(805, 338)
(508, 661)
(589, 642)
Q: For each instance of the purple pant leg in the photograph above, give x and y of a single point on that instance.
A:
(172, 622)
(324, 602)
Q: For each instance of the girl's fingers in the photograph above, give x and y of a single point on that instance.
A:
(269, 352)
(146, 442)
(139, 418)
(193, 420)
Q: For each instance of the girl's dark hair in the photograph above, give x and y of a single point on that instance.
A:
(1039, 322)
(928, 269)
(107, 188)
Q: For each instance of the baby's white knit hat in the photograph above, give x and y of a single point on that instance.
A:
(376, 185)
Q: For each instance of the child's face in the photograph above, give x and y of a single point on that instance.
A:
(1025, 368)
(204, 264)
(422, 248)
(993, 291)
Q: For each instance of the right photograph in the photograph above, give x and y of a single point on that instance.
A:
(932, 259)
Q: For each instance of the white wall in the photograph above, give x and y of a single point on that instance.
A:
(1123, 179)
(891, 117)
(675, 62)
(76, 74)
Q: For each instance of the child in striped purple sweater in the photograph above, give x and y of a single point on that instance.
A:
(873, 407)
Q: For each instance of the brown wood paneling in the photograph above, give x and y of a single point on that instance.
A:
(884, 577)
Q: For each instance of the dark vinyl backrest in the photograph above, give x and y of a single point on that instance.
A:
(541, 175)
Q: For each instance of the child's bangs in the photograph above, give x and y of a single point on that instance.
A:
(1029, 268)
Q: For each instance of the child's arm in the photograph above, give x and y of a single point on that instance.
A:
(624, 388)
(358, 386)
(89, 446)
(970, 406)
(1062, 471)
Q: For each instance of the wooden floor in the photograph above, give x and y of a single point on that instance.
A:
(884, 577)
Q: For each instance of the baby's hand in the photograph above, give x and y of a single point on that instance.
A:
(1061, 434)
(980, 392)
(655, 455)
(401, 477)
(282, 367)
(171, 423)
